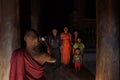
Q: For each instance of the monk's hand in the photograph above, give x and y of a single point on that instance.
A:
(51, 60)
(48, 58)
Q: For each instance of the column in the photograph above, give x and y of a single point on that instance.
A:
(107, 56)
(9, 34)
(35, 14)
(80, 7)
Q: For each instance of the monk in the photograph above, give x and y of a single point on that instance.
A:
(27, 64)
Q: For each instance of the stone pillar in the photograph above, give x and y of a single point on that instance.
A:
(9, 34)
(35, 14)
(80, 8)
(107, 56)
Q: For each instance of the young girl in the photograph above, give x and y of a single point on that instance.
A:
(77, 59)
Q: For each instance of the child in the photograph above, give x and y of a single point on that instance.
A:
(80, 45)
(77, 59)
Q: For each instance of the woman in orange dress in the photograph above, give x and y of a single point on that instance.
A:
(66, 46)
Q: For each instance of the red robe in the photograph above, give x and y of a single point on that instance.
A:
(24, 67)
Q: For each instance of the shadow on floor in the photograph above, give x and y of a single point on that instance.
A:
(67, 73)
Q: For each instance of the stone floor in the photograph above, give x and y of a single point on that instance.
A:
(67, 73)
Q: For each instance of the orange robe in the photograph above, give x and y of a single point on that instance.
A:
(66, 48)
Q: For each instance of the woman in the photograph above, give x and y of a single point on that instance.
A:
(66, 46)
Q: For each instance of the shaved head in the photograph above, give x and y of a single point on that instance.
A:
(31, 33)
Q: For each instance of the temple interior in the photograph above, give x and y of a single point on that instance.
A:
(97, 22)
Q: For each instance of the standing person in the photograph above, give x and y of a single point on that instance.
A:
(79, 45)
(66, 46)
(77, 59)
(75, 36)
(26, 64)
(55, 43)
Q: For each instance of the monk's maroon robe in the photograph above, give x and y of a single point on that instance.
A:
(24, 67)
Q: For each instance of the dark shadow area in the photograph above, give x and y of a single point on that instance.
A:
(67, 73)
(91, 9)
(55, 13)
(25, 18)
